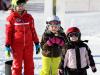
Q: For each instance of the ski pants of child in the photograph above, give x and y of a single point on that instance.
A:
(80, 72)
(50, 65)
(23, 54)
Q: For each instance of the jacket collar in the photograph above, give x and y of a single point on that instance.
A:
(15, 13)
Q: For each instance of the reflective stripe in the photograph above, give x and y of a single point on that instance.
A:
(21, 23)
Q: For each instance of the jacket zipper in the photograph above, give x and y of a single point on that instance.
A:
(24, 33)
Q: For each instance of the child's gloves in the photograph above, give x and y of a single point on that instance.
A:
(51, 41)
(93, 69)
(7, 50)
(55, 40)
(59, 41)
(37, 46)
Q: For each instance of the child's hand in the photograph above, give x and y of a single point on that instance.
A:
(51, 41)
(55, 40)
(93, 69)
(37, 46)
(7, 51)
(59, 41)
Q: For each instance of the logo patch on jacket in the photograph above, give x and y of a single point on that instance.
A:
(19, 21)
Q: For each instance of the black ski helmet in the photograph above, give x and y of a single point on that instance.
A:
(15, 3)
(20, 2)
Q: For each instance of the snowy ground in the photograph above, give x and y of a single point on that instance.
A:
(87, 22)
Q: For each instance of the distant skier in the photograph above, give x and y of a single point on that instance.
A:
(20, 39)
(52, 42)
(77, 57)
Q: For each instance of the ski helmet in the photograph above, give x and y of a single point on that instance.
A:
(15, 3)
(21, 2)
(75, 31)
(53, 20)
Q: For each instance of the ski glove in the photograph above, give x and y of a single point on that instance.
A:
(37, 46)
(7, 50)
(51, 41)
(55, 40)
(93, 69)
(59, 41)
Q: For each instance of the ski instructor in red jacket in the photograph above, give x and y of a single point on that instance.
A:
(20, 39)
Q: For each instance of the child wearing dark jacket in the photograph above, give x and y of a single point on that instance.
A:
(52, 43)
(77, 57)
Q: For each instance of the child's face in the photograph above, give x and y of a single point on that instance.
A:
(20, 8)
(74, 36)
(53, 28)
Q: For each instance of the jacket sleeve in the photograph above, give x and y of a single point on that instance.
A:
(64, 57)
(61, 65)
(92, 63)
(9, 31)
(34, 34)
(43, 43)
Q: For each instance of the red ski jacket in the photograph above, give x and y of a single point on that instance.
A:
(20, 29)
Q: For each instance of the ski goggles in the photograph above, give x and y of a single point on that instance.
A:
(77, 34)
(22, 4)
(54, 22)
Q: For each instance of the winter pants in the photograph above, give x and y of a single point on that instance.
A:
(23, 54)
(50, 65)
(81, 72)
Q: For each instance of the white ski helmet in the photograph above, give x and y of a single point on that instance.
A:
(54, 19)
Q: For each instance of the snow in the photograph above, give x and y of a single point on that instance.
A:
(87, 22)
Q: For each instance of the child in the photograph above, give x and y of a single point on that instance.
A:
(21, 37)
(51, 44)
(77, 57)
